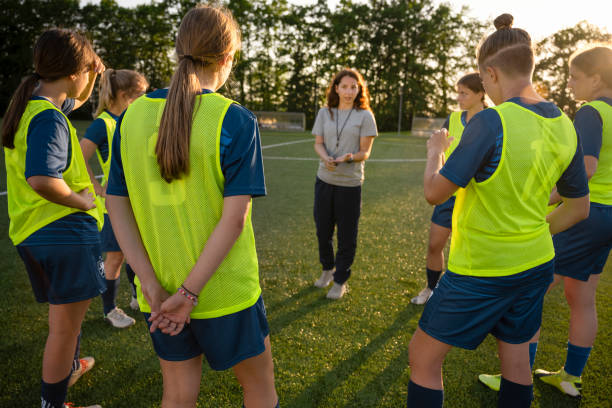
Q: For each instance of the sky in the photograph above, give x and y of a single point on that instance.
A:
(540, 18)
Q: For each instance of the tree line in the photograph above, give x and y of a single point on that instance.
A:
(409, 51)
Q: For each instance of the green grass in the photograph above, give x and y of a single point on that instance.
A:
(347, 353)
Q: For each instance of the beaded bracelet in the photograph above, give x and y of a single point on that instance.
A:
(185, 292)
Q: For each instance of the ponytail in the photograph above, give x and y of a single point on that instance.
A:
(106, 91)
(174, 134)
(206, 35)
(15, 110)
(115, 80)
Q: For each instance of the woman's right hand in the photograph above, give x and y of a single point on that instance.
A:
(330, 163)
(155, 295)
(87, 200)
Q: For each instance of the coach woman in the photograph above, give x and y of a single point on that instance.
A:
(344, 131)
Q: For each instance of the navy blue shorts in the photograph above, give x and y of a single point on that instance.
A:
(583, 249)
(62, 274)
(107, 236)
(225, 341)
(443, 213)
(464, 309)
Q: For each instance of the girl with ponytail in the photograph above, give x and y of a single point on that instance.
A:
(54, 222)
(186, 162)
(117, 89)
(509, 159)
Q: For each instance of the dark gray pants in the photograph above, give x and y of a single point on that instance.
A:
(341, 206)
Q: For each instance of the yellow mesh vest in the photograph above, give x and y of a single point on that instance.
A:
(28, 211)
(175, 219)
(600, 184)
(455, 130)
(110, 123)
(499, 225)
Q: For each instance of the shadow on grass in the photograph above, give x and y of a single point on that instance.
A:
(279, 322)
(324, 384)
(549, 397)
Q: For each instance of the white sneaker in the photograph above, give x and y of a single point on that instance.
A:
(119, 319)
(326, 278)
(422, 297)
(134, 304)
(337, 291)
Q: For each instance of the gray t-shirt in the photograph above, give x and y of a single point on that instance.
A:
(359, 123)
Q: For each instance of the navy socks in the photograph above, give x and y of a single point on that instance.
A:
(53, 395)
(131, 275)
(576, 359)
(76, 363)
(108, 297)
(533, 348)
(419, 397)
(513, 395)
(432, 278)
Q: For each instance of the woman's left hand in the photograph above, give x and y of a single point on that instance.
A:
(175, 311)
(344, 158)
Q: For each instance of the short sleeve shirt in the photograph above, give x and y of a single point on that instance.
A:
(96, 132)
(240, 151)
(342, 134)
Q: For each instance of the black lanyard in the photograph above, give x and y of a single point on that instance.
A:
(338, 134)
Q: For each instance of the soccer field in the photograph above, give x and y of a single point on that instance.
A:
(347, 353)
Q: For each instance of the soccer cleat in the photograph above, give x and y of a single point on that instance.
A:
(119, 319)
(561, 380)
(337, 291)
(493, 381)
(71, 405)
(85, 364)
(326, 278)
(422, 297)
(134, 304)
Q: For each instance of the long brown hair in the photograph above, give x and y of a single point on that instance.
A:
(206, 35)
(595, 60)
(362, 100)
(473, 82)
(508, 49)
(58, 53)
(114, 80)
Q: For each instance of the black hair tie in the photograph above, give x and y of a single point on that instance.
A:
(189, 57)
(36, 76)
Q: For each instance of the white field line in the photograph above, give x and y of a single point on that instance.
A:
(287, 143)
(3, 193)
(369, 160)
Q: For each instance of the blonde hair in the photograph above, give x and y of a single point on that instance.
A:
(508, 49)
(596, 59)
(206, 35)
(113, 81)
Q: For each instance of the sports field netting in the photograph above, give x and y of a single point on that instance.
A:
(329, 354)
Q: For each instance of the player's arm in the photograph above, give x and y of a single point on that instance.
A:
(89, 148)
(57, 191)
(97, 68)
(573, 188)
(437, 188)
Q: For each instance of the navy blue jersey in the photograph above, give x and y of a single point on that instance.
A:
(589, 126)
(240, 150)
(478, 153)
(96, 132)
(48, 154)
